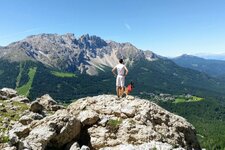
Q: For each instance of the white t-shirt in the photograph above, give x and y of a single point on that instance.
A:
(120, 69)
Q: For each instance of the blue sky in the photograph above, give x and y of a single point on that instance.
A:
(167, 27)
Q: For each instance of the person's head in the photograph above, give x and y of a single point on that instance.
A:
(121, 61)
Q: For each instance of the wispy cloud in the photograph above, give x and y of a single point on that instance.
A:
(127, 26)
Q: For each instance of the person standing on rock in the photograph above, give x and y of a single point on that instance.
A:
(120, 76)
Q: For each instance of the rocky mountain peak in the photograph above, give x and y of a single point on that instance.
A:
(86, 54)
(91, 42)
(149, 55)
(186, 56)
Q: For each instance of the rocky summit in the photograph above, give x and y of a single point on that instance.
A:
(99, 122)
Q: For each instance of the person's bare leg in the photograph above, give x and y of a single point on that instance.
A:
(122, 91)
(117, 91)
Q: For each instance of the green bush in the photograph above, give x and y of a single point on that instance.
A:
(4, 139)
(113, 125)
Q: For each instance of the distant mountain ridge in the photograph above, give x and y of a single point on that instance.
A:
(212, 56)
(213, 68)
(86, 54)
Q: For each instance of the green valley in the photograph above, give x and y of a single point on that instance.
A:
(204, 108)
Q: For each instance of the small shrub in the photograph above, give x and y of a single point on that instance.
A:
(154, 148)
(4, 138)
(113, 125)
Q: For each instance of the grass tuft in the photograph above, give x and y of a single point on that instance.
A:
(113, 125)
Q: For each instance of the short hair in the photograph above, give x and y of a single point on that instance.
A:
(121, 61)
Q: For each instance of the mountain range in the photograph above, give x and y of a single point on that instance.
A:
(87, 54)
(215, 68)
(67, 67)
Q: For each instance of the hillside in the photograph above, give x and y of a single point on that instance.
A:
(220, 56)
(35, 79)
(214, 68)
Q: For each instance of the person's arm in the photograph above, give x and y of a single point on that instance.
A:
(113, 71)
(126, 70)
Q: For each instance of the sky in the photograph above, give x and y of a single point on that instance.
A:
(166, 27)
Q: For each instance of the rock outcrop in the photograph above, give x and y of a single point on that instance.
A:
(45, 102)
(48, 103)
(6, 93)
(53, 131)
(134, 122)
(102, 122)
(18, 114)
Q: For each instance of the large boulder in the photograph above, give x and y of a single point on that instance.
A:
(135, 122)
(19, 130)
(7, 93)
(88, 117)
(25, 120)
(20, 98)
(36, 107)
(75, 146)
(49, 103)
(53, 131)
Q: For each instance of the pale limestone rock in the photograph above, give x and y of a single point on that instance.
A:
(98, 136)
(103, 120)
(25, 120)
(84, 147)
(19, 130)
(13, 138)
(10, 148)
(88, 117)
(35, 116)
(48, 103)
(144, 122)
(106, 123)
(39, 137)
(46, 100)
(2, 105)
(28, 116)
(54, 131)
(129, 111)
(7, 93)
(21, 99)
(146, 146)
(75, 146)
(129, 97)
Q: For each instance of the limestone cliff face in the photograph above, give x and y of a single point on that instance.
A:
(100, 122)
(87, 54)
